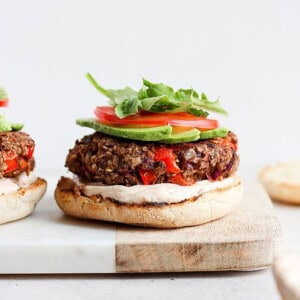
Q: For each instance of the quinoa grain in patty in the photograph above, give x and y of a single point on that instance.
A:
(15, 148)
(110, 160)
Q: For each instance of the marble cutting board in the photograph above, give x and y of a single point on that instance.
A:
(50, 242)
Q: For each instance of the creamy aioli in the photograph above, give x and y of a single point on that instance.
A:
(10, 185)
(163, 192)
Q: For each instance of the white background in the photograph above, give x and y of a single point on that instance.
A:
(247, 52)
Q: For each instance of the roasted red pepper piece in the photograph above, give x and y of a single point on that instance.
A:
(178, 179)
(168, 157)
(10, 161)
(30, 151)
(226, 142)
(148, 176)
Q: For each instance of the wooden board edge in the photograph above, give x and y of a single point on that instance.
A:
(193, 257)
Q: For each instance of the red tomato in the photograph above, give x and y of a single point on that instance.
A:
(4, 102)
(107, 114)
(188, 120)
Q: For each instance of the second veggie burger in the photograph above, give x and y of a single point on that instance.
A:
(155, 160)
(20, 188)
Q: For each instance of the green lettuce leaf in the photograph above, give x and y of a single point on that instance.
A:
(158, 97)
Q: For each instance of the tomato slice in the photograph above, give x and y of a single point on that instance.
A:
(200, 123)
(107, 114)
(114, 124)
(4, 102)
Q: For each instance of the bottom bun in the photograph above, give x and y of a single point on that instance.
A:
(282, 181)
(201, 209)
(19, 204)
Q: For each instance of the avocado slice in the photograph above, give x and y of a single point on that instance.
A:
(4, 124)
(16, 126)
(210, 134)
(161, 134)
(140, 134)
(182, 137)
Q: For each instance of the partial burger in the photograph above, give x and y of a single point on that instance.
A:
(20, 188)
(155, 160)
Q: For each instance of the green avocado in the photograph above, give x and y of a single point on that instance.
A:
(4, 124)
(141, 134)
(16, 126)
(182, 137)
(210, 134)
(161, 134)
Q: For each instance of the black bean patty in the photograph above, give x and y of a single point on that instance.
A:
(110, 160)
(15, 150)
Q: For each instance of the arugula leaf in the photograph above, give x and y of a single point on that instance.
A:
(159, 89)
(158, 97)
(3, 94)
(127, 107)
(157, 104)
(215, 106)
(115, 96)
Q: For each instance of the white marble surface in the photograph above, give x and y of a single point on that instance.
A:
(49, 242)
(223, 285)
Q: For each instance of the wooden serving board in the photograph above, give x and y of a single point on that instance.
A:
(247, 239)
(49, 242)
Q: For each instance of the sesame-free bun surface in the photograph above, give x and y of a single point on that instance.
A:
(19, 204)
(286, 271)
(200, 209)
(282, 181)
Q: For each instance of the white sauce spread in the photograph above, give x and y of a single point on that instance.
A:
(163, 192)
(10, 185)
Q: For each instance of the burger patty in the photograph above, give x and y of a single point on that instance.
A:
(110, 160)
(16, 150)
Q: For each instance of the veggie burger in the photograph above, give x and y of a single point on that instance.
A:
(154, 160)
(20, 188)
